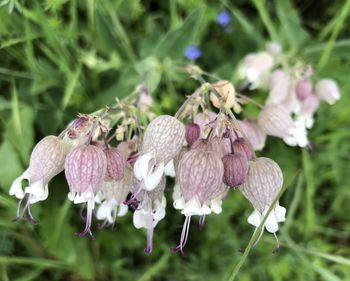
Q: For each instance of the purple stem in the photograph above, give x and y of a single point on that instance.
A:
(150, 229)
(201, 222)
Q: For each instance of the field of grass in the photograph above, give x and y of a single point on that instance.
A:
(59, 58)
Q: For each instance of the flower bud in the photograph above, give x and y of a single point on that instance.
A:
(240, 146)
(227, 93)
(204, 120)
(327, 90)
(193, 132)
(235, 169)
(116, 163)
(274, 120)
(164, 137)
(303, 89)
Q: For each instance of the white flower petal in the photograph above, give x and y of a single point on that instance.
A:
(141, 166)
(123, 209)
(255, 218)
(179, 203)
(16, 187)
(192, 207)
(152, 180)
(170, 169)
(280, 213)
(139, 219)
(215, 206)
(271, 223)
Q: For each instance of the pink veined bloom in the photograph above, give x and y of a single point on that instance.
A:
(308, 109)
(85, 169)
(78, 131)
(328, 91)
(303, 89)
(261, 186)
(199, 177)
(275, 120)
(255, 135)
(46, 161)
(111, 198)
(193, 132)
(162, 141)
(150, 211)
(235, 169)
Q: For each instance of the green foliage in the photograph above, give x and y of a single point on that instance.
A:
(63, 57)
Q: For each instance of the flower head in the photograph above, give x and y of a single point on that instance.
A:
(261, 186)
(85, 169)
(46, 161)
(150, 211)
(255, 135)
(328, 90)
(199, 177)
(193, 53)
(224, 18)
(235, 169)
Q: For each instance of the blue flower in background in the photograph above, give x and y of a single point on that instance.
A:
(192, 52)
(223, 18)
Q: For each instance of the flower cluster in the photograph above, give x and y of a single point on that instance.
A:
(113, 164)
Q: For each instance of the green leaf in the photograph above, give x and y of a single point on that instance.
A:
(291, 27)
(13, 166)
(174, 42)
(150, 72)
(19, 131)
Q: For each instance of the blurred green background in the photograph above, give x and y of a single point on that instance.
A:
(60, 57)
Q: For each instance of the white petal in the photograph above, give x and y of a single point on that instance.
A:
(123, 209)
(34, 198)
(152, 180)
(255, 218)
(71, 195)
(141, 166)
(271, 223)
(99, 197)
(139, 219)
(215, 206)
(16, 187)
(170, 169)
(193, 207)
(205, 210)
(280, 213)
(179, 203)
(105, 211)
(36, 188)
(84, 197)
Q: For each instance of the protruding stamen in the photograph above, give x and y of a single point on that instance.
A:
(276, 250)
(184, 236)
(87, 229)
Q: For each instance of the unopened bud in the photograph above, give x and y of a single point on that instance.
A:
(235, 169)
(116, 163)
(193, 132)
(327, 90)
(227, 93)
(303, 89)
(240, 146)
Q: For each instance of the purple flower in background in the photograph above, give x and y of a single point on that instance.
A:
(223, 18)
(192, 52)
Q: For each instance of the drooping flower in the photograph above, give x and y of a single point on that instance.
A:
(150, 211)
(224, 18)
(116, 163)
(199, 177)
(280, 83)
(328, 91)
(85, 169)
(46, 161)
(256, 68)
(112, 196)
(261, 186)
(163, 140)
(193, 53)
(253, 132)
(240, 146)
